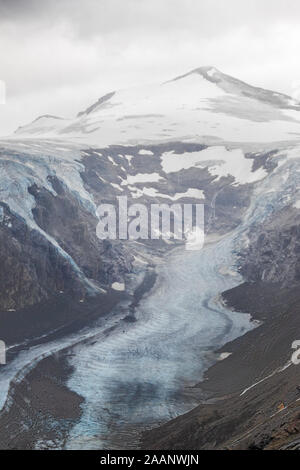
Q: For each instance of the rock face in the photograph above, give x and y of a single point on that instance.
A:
(273, 254)
(34, 269)
(31, 268)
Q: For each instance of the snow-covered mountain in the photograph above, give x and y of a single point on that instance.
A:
(203, 105)
(202, 137)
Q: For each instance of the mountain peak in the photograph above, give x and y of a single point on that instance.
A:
(206, 70)
(238, 87)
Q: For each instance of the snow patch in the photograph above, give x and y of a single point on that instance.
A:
(142, 178)
(112, 161)
(297, 204)
(211, 72)
(152, 192)
(224, 355)
(119, 286)
(219, 161)
(117, 186)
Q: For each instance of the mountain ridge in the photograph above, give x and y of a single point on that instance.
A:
(187, 107)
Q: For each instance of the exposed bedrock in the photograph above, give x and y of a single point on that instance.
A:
(107, 180)
(273, 254)
(31, 267)
(74, 229)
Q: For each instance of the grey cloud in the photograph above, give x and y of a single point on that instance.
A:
(204, 17)
(64, 54)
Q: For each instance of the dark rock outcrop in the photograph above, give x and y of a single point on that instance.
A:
(273, 254)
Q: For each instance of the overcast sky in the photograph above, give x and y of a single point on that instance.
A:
(59, 56)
